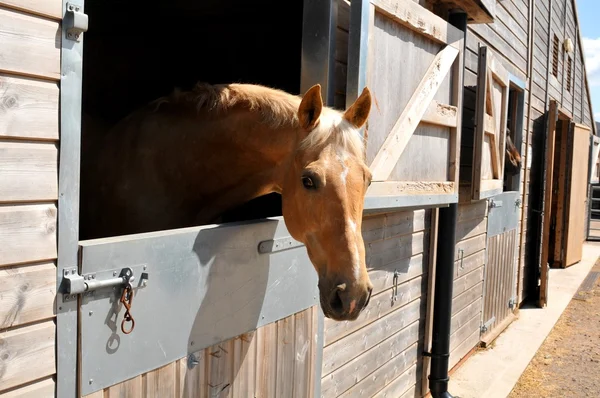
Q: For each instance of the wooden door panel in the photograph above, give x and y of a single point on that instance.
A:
(412, 62)
(490, 126)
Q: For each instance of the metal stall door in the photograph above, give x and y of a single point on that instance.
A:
(499, 298)
(132, 304)
(193, 288)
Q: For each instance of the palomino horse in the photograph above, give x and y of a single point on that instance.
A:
(186, 158)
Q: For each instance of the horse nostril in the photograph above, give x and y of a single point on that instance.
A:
(337, 306)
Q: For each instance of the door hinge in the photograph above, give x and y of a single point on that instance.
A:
(484, 328)
(75, 21)
(74, 283)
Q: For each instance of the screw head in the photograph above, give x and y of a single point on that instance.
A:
(114, 273)
(91, 381)
(91, 313)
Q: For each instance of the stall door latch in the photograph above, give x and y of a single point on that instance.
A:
(75, 21)
(87, 284)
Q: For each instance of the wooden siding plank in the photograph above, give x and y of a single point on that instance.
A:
(386, 374)
(358, 369)
(47, 8)
(402, 384)
(286, 352)
(469, 263)
(27, 233)
(266, 355)
(379, 306)
(27, 294)
(161, 382)
(30, 45)
(389, 225)
(131, 388)
(382, 253)
(28, 108)
(39, 389)
(305, 330)
(344, 350)
(28, 172)
(27, 354)
(467, 281)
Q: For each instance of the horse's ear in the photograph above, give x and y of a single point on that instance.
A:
(358, 113)
(310, 108)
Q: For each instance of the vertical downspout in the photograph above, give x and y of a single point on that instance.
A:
(444, 275)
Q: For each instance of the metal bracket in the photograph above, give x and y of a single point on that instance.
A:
(512, 303)
(87, 284)
(395, 286)
(76, 22)
(274, 245)
(484, 328)
(495, 203)
(518, 202)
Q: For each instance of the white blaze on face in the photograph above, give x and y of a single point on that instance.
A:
(355, 253)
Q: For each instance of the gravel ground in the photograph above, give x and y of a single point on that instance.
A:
(567, 365)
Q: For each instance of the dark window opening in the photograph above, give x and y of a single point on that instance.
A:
(514, 139)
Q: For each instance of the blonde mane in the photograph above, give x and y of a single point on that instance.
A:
(276, 107)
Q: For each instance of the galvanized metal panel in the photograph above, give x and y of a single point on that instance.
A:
(503, 214)
(68, 202)
(407, 202)
(205, 285)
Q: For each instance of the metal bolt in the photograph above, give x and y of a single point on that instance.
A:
(144, 283)
(145, 267)
(91, 312)
(192, 343)
(114, 273)
(91, 381)
(94, 276)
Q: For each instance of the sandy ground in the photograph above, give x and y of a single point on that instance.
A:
(567, 365)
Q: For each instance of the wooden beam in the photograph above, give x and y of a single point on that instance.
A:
(395, 188)
(415, 17)
(396, 141)
(494, 153)
(552, 119)
(441, 114)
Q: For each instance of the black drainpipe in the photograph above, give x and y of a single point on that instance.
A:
(444, 275)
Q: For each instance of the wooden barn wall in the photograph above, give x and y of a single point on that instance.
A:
(508, 38)
(379, 354)
(276, 360)
(29, 134)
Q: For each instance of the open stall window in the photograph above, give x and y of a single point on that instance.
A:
(513, 157)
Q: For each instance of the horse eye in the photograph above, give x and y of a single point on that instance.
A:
(308, 183)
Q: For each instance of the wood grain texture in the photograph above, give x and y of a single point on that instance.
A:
(395, 143)
(28, 172)
(47, 8)
(344, 350)
(277, 360)
(417, 18)
(39, 389)
(27, 233)
(27, 354)
(30, 45)
(28, 108)
(27, 294)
